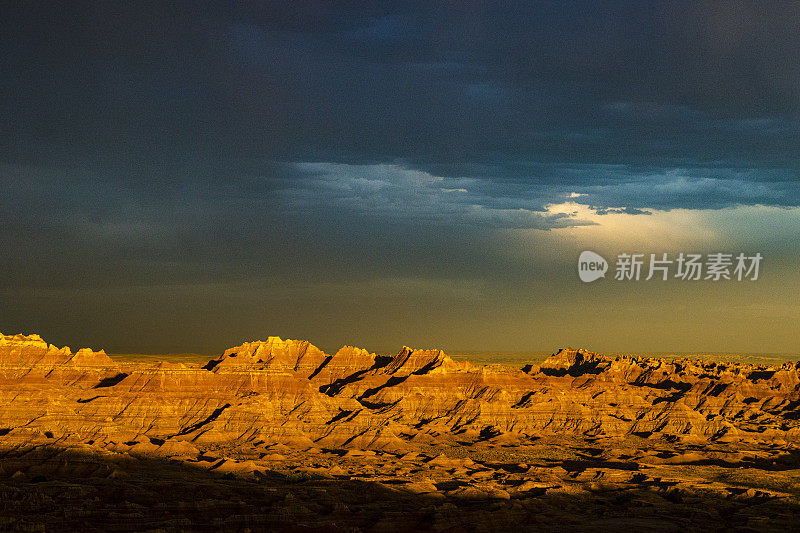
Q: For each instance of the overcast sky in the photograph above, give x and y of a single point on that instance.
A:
(185, 178)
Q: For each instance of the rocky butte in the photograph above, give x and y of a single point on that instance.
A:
(277, 434)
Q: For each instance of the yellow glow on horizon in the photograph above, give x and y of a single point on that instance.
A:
(678, 229)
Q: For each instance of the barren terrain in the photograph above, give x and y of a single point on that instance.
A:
(278, 435)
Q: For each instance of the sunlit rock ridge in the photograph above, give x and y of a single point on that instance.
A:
(278, 435)
(290, 392)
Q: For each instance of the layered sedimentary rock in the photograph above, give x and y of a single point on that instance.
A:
(274, 354)
(28, 358)
(579, 431)
(346, 362)
(292, 392)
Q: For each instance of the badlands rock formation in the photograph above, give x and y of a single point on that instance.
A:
(670, 442)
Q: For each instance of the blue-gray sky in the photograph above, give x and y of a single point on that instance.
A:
(188, 176)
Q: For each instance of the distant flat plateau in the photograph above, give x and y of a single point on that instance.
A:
(508, 359)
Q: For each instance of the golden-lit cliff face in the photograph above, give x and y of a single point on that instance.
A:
(419, 421)
(290, 392)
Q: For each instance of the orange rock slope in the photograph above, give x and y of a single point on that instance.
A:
(291, 393)
(278, 435)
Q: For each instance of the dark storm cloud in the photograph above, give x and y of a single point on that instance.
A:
(447, 85)
(295, 223)
(193, 137)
